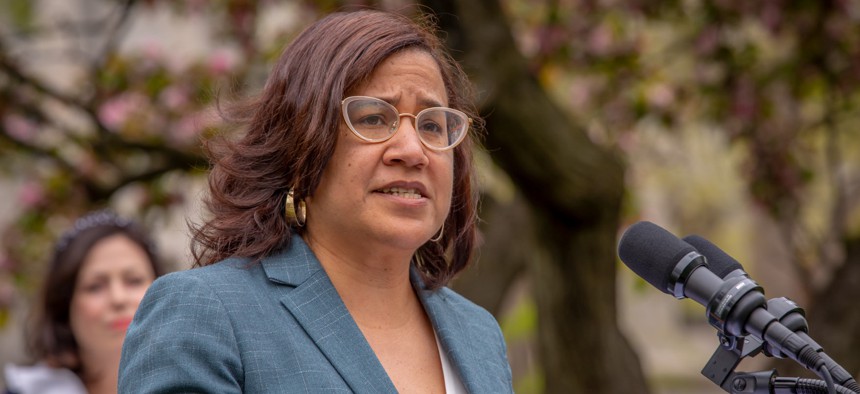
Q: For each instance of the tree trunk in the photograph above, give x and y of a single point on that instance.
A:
(574, 188)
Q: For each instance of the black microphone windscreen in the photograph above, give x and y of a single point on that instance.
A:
(719, 262)
(652, 253)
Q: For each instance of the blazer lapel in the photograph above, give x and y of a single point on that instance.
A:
(318, 308)
(455, 336)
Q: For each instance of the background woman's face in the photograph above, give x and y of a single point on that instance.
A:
(397, 192)
(113, 279)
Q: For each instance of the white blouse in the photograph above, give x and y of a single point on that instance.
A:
(453, 384)
(42, 379)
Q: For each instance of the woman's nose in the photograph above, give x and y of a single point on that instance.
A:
(118, 293)
(406, 146)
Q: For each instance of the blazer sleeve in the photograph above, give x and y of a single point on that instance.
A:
(181, 340)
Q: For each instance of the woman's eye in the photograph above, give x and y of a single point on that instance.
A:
(431, 127)
(94, 287)
(373, 120)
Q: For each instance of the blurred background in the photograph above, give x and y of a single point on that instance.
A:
(731, 119)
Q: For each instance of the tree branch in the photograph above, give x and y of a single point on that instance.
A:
(15, 73)
(113, 38)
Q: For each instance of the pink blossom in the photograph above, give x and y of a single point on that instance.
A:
(744, 100)
(600, 40)
(6, 264)
(152, 56)
(174, 97)
(19, 127)
(628, 141)
(152, 51)
(7, 293)
(115, 112)
(196, 6)
(551, 38)
(660, 95)
(580, 94)
(31, 194)
(708, 41)
(87, 165)
(221, 61)
(189, 127)
(772, 15)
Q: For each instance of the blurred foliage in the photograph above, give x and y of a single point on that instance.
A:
(88, 113)
(519, 326)
(20, 14)
(779, 79)
(521, 322)
(699, 95)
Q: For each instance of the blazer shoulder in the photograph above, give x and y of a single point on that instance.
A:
(183, 335)
(227, 271)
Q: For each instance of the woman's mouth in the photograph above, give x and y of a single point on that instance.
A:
(120, 324)
(402, 192)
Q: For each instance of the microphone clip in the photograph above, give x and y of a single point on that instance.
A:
(720, 370)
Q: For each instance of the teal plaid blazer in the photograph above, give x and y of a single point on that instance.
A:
(279, 326)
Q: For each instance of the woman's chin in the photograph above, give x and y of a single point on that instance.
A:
(406, 239)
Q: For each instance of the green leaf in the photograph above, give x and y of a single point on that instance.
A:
(21, 14)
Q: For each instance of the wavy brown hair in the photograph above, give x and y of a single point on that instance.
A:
(290, 133)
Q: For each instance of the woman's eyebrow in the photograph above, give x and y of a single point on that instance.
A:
(427, 103)
(423, 102)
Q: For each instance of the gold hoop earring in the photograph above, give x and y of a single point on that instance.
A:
(301, 213)
(295, 212)
(441, 233)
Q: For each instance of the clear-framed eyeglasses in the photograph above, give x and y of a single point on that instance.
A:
(374, 120)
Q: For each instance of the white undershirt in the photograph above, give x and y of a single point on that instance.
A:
(453, 384)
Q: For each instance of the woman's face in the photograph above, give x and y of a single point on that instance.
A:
(113, 279)
(396, 192)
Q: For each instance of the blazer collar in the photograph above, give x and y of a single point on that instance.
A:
(294, 265)
(318, 308)
(456, 338)
(316, 305)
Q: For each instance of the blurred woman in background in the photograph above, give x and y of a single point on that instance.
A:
(100, 270)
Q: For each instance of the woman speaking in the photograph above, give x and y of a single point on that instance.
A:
(336, 220)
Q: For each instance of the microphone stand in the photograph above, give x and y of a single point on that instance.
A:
(720, 369)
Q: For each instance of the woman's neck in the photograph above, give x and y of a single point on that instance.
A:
(100, 372)
(374, 287)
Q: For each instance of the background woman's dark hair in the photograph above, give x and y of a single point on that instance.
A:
(51, 338)
(291, 130)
